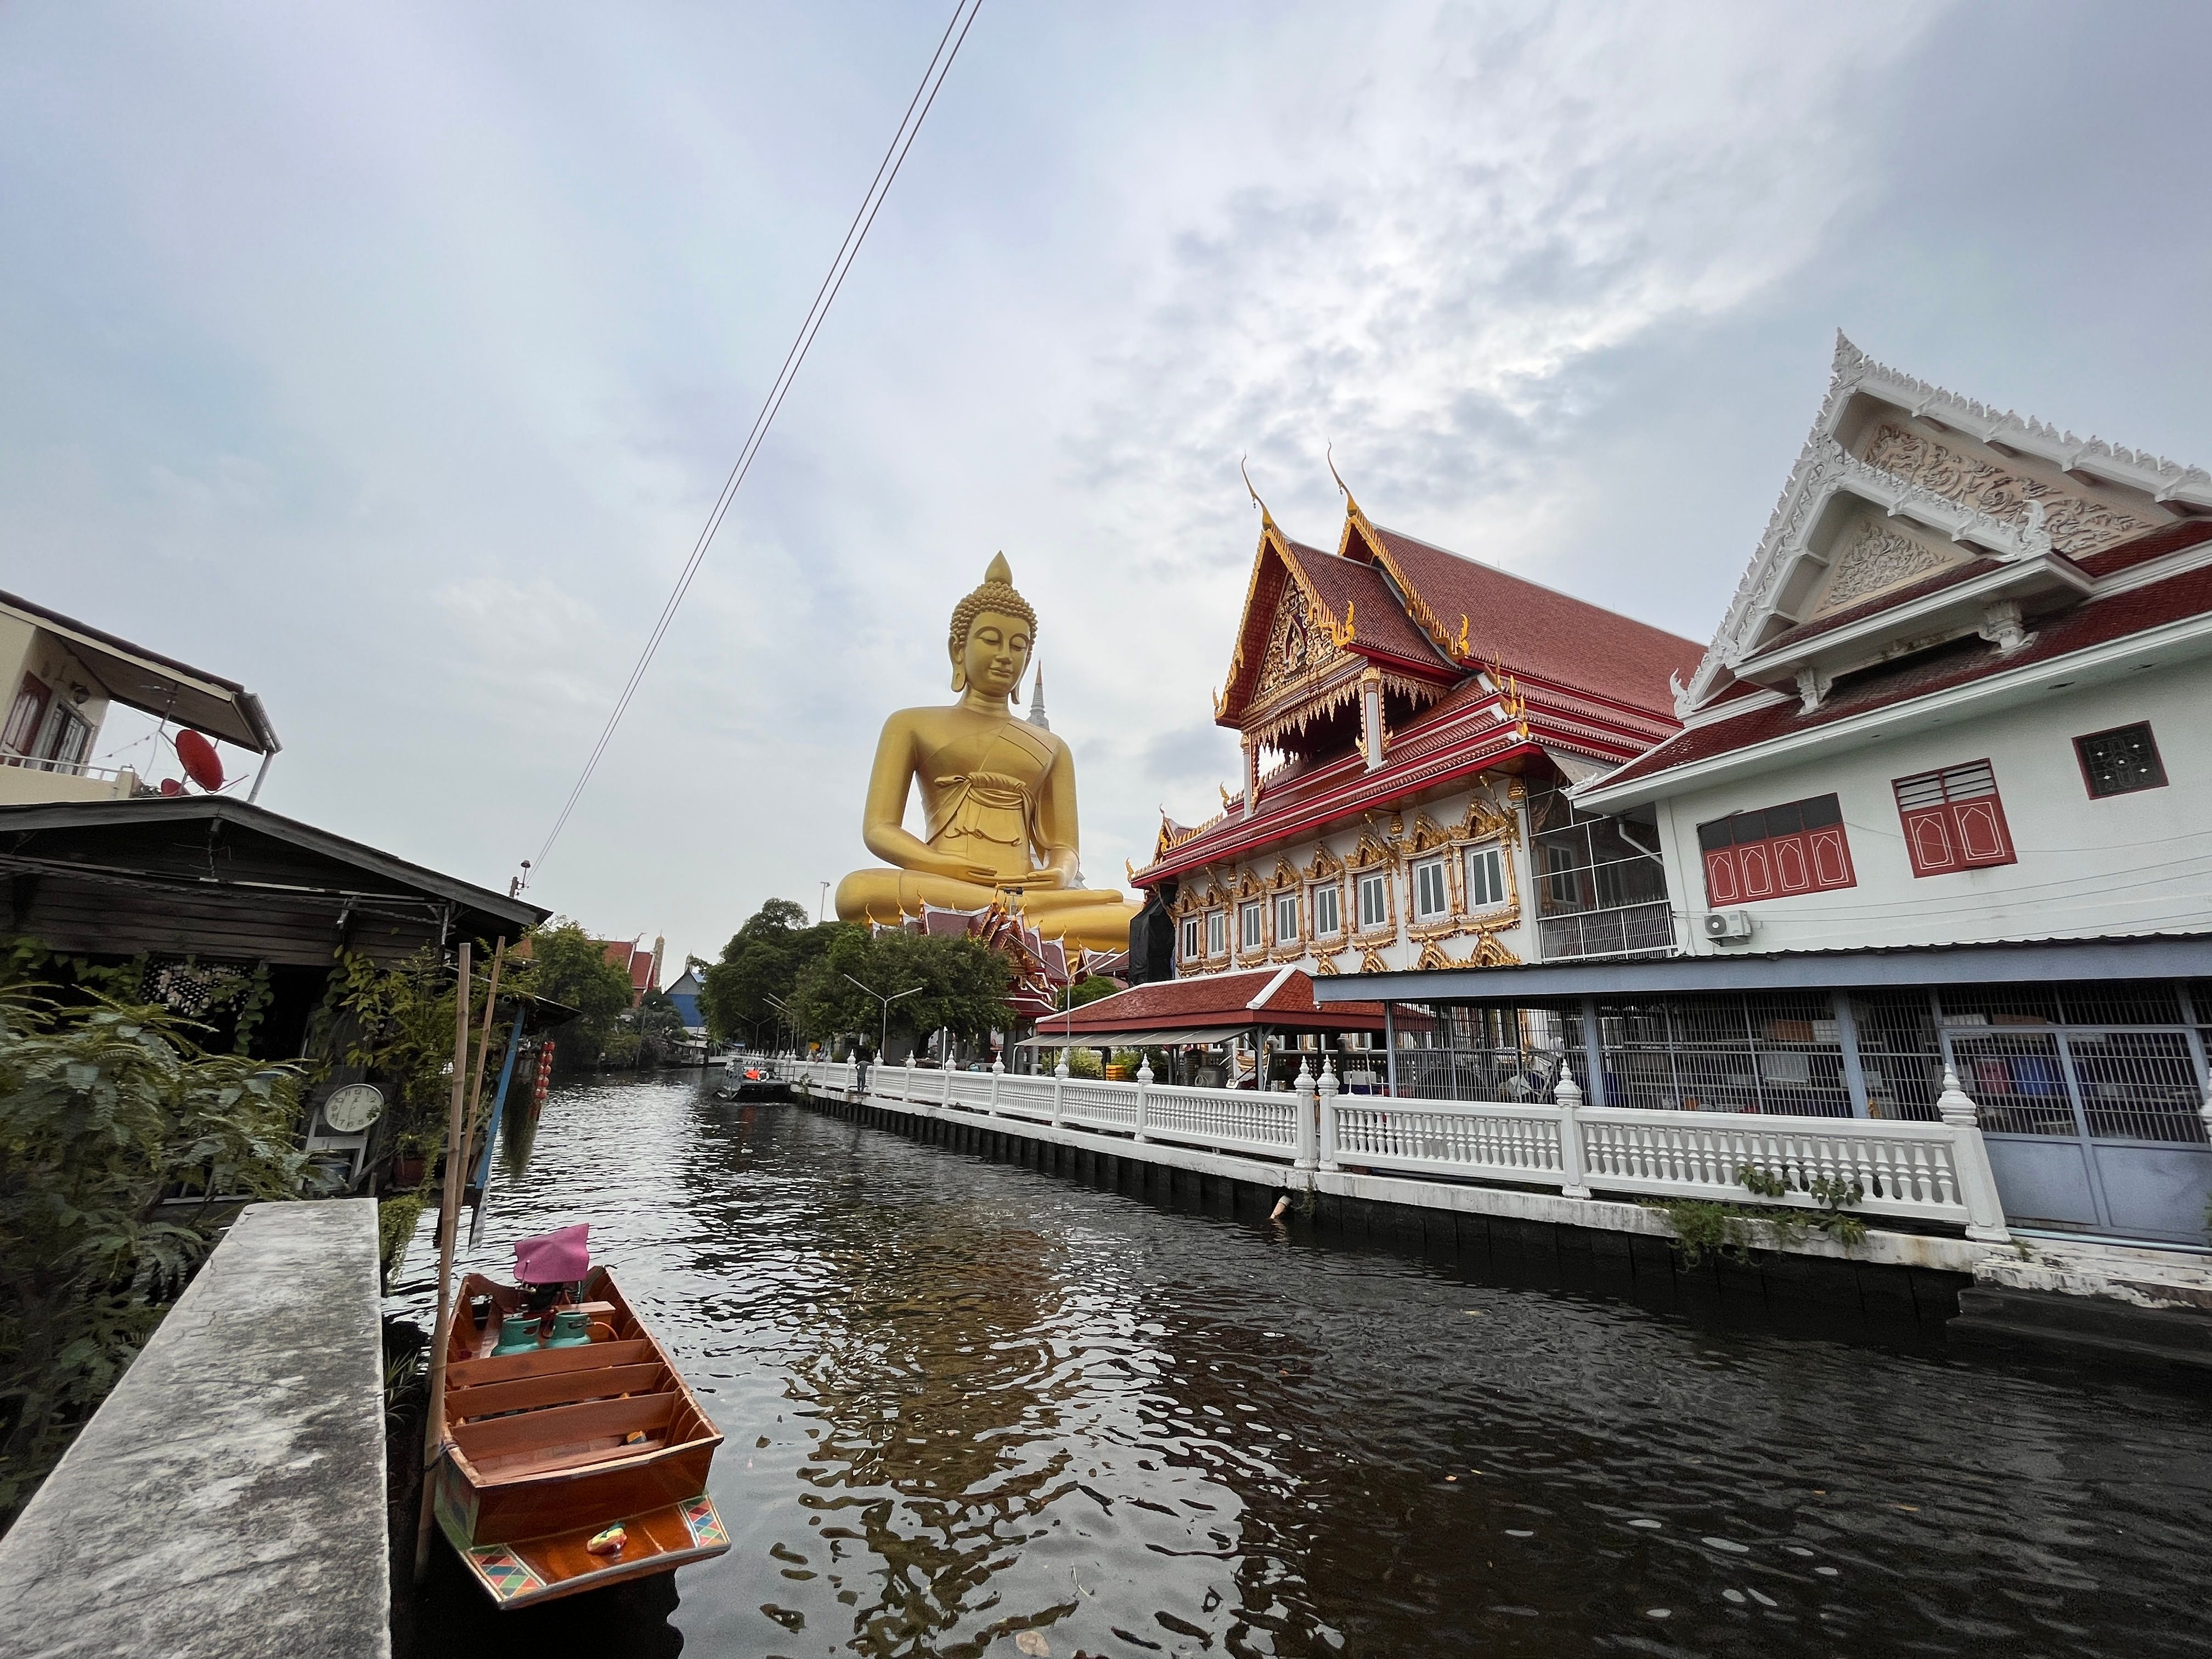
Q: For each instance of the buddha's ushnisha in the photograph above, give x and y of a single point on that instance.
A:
(997, 795)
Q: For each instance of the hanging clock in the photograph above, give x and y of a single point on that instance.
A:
(354, 1107)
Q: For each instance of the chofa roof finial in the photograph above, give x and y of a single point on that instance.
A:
(1267, 519)
(1350, 504)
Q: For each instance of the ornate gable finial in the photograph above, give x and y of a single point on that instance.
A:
(1267, 519)
(1351, 505)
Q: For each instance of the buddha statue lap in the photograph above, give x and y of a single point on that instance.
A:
(998, 796)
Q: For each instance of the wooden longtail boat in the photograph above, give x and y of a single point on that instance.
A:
(546, 1449)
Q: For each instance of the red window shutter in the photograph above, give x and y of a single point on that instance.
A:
(1793, 863)
(1722, 886)
(1832, 859)
(1983, 837)
(1755, 864)
(1927, 839)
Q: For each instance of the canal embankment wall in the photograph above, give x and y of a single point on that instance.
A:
(1890, 1284)
(227, 1498)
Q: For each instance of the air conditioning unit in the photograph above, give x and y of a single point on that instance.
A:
(1723, 926)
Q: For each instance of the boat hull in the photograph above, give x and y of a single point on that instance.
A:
(524, 1572)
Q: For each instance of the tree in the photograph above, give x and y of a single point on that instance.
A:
(760, 966)
(104, 1109)
(1091, 990)
(959, 984)
(567, 965)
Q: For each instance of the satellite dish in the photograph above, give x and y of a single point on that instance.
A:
(354, 1107)
(171, 787)
(201, 764)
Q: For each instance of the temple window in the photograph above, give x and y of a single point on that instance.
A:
(1374, 901)
(1327, 921)
(1953, 819)
(1485, 879)
(1431, 899)
(1248, 924)
(2120, 762)
(1287, 919)
(1216, 932)
(1193, 939)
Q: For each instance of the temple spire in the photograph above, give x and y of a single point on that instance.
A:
(1036, 702)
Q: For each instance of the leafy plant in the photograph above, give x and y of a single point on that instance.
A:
(1835, 1195)
(396, 1219)
(122, 1146)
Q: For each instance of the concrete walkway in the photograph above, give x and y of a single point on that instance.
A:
(228, 1498)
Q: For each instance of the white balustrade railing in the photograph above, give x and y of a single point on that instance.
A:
(1936, 1172)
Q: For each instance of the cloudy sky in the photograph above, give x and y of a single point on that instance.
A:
(388, 358)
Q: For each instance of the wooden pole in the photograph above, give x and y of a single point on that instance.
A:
(483, 1054)
(433, 1437)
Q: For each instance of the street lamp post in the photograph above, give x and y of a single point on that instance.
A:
(785, 1009)
(886, 1041)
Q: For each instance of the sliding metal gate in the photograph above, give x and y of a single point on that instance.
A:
(2095, 1128)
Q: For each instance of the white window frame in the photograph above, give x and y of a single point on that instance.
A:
(1252, 924)
(1334, 894)
(1193, 939)
(1367, 882)
(1430, 882)
(1486, 893)
(1216, 932)
(1286, 909)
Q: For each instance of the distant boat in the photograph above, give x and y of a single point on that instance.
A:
(549, 1450)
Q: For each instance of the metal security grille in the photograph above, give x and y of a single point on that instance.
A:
(2120, 761)
(1778, 1053)
(1900, 1053)
(2137, 1085)
(2019, 1082)
(1461, 1052)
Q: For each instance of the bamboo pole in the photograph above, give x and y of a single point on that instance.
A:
(483, 1054)
(433, 1437)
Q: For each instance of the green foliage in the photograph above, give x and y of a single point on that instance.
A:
(959, 985)
(567, 965)
(1703, 1227)
(1089, 990)
(760, 966)
(398, 1024)
(106, 1108)
(395, 1227)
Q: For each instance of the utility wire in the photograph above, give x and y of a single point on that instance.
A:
(887, 172)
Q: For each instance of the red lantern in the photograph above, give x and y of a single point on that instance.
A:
(201, 764)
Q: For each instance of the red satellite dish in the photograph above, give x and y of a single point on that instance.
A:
(171, 787)
(201, 764)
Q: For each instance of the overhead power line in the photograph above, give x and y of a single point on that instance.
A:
(887, 172)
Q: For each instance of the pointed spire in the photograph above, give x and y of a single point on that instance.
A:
(1267, 519)
(1036, 702)
(1351, 506)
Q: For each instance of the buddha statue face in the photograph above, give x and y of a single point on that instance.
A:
(994, 656)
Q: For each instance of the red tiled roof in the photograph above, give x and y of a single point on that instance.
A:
(1536, 630)
(2151, 544)
(1213, 1000)
(1960, 663)
(1378, 622)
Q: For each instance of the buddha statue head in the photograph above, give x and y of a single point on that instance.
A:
(992, 631)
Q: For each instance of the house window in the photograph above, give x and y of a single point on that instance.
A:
(1796, 848)
(1374, 901)
(1249, 921)
(1191, 938)
(1326, 920)
(1953, 819)
(2120, 762)
(1485, 879)
(68, 740)
(1216, 932)
(1287, 919)
(1431, 900)
(30, 707)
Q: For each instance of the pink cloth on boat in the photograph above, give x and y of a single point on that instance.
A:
(554, 1258)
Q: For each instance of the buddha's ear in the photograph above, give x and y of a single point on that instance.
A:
(960, 676)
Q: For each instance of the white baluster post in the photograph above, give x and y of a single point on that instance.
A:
(946, 1104)
(1303, 1089)
(1144, 1094)
(1569, 1094)
(998, 1071)
(1325, 1104)
(906, 1083)
(1058, 1088)
(1970, 1158)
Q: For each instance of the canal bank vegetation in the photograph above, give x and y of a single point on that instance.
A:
(125, 1147)
(777, 972)
(1705, 1226)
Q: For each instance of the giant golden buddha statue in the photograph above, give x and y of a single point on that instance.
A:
(997, 795)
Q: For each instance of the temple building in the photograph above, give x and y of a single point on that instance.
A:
(1939, 806)
(1410, 721)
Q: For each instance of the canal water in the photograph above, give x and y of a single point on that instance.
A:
(970, 1409)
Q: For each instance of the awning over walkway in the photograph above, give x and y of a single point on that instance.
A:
(1277, 998)
(2162, 955)
(1176, 1039)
